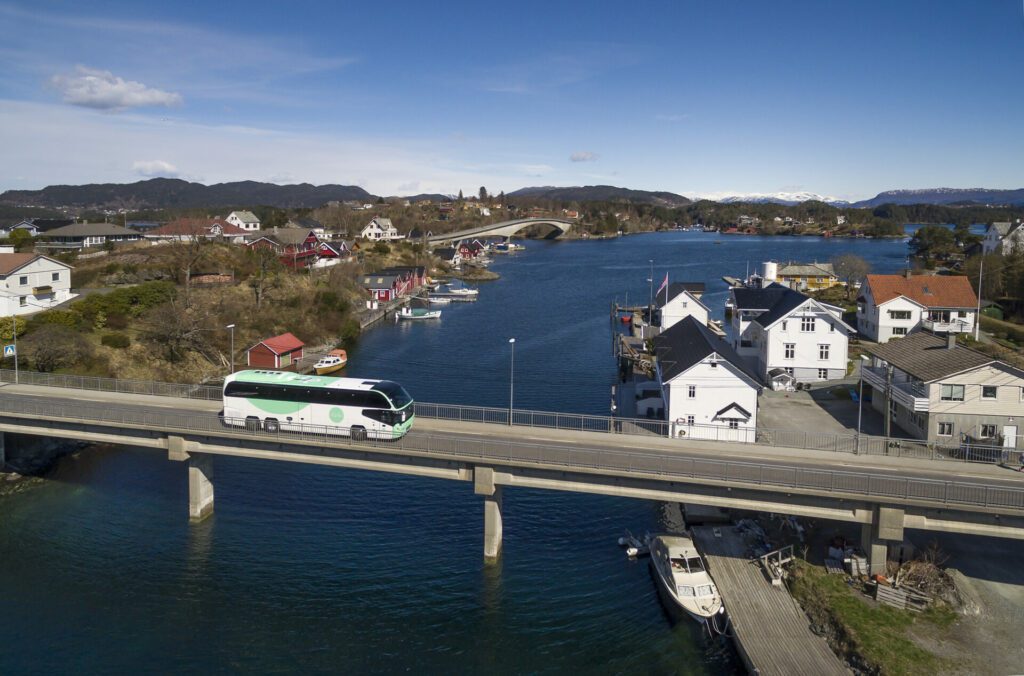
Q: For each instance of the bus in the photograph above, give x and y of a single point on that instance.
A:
(277, 400)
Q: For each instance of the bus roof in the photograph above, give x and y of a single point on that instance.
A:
(298, 379)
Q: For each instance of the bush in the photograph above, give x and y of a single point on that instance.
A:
(381, 248)
(71, 320)
(118, 340)
(1003, 329)
(117, 321)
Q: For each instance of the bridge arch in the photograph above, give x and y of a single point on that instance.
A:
(503, 229)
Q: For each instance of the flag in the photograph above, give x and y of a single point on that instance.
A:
(664, 285)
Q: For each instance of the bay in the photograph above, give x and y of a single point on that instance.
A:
(322, 570)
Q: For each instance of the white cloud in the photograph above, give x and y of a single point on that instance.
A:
(583, 156)
(103, 90)
(150, 168)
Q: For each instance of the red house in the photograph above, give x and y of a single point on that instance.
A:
(279, 352)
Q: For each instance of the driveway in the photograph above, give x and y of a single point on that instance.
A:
(826, 409)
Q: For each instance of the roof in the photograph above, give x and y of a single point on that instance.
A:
(376, 281)
(245, 216)
(382, 223)
(676, 288)
(196, 227)
(306, 380)
(291, 235)
(1002, 228)
(759, 299)
(807, 269)
(732, 407)
(786, 303)
(445, 252)
(286, 342)
(926, 357)
(415, 233)
(928, 290)
(308, 223)
(11, 262)
(47, 224)
(90, 230)
(687, 343)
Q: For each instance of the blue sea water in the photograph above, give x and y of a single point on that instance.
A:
(313, 570)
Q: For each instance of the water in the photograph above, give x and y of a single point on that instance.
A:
(324, 570)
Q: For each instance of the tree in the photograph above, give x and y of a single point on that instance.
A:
(21, 239)
(266, 273)
(461, 198)
(933, 241)
(187, 254)
(501, 198)
(52, 346)
(850, 268)
(483, 194)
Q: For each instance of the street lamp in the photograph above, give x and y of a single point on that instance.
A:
(860, 398)
(511, 377)
(231, 327)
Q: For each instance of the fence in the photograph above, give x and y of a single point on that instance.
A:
(834, 443)
(668, 463)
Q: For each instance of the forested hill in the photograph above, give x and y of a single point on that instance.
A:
(170, 193)
(600, 193)
(946, 196)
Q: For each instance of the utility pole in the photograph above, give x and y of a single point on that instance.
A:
(977, 317)
(888, 399)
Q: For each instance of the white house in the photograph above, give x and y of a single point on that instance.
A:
(30, 283)
(188, 229)
(892, 306)
(246, 220)
(380, 230)
(708, 389)
(1002, 238)
(679, 300)
(84, 235)
(783, 331)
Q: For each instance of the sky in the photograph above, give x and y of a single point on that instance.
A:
(842, 99)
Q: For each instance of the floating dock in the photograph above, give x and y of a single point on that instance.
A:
(772, 632)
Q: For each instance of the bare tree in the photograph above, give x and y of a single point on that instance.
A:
(187, 253)
(850, 268)
(266, 273)
(178, 330)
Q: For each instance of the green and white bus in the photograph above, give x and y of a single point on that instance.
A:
(276, 400)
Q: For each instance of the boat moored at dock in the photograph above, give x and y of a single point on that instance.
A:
(683, 578)
(408, 313)
(335, 360)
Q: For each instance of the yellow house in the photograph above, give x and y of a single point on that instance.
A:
(808, 276)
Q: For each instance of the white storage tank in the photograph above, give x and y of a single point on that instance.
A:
(771, 271)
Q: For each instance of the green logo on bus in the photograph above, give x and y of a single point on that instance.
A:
(336, 415)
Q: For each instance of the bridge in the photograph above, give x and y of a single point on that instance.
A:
(877, 487)
(503, 229)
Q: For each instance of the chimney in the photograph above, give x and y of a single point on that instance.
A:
(907, 273)
(950, 341)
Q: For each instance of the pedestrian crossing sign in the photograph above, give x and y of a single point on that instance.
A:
(10, 351)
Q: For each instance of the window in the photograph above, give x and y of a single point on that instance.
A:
(952, 393)
(734, 424)
(23, 280)
(899, 314)
(790, 350)
(789, 370)
(693, 392)
(945, 429)
(23, 301)
(832, 328)
(823, 352)
(689, 420)
(988, 391)
(988, 431)
(55, 277)
(899, 330)
(822, 374)
(807, 324)
(783, 326)
(962, 314)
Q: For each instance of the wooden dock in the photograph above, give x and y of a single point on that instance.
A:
(772, 632)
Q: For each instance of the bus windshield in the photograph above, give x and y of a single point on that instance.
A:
(395, 392)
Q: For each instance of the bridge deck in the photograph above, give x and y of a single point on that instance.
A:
(773, 635)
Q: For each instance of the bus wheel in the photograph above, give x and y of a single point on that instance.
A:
(358, 434)
(272, 426)
(252, 424)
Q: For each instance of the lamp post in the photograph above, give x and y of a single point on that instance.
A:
(231, 327)
(511, 377)
(860, 399)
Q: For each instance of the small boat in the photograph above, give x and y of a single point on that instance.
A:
(439, 301)
(417, 313)
(462, 291)
(335, 360)
(683, 578)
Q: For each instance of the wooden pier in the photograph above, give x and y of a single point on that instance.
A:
(772, 633)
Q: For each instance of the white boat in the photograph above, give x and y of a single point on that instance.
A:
(439, 301)
(462, 291)
(683, 578)
(417, 313)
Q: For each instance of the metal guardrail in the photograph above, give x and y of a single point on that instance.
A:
(917, 449)
(668, 464)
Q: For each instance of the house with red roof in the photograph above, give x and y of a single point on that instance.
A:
(279, 352)
(893, 306)
(185, 229)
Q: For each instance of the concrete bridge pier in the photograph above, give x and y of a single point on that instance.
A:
(200, 476)
(886, 526)
(483, 484)
(3, 450)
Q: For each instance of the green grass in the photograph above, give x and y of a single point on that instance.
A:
(877, 633)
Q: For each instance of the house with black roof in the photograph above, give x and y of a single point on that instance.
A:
(709, 391)
(678, 300)
(787, 336)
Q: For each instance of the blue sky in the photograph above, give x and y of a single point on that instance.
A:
(843, 99)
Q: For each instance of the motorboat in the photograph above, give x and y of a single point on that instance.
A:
(462, 291)
(418, 313)
(439, 301)
(335, 360)
(683, 578)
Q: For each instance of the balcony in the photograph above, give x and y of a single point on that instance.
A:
(948, 326)
(910, 395)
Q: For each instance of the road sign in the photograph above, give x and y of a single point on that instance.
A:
(10, 351)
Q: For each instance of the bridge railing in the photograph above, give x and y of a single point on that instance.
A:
(664, 463)
(123, 386)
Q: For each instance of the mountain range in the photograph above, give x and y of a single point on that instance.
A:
(165, 193)
(947, 196)
(601, 193)
(787, 198)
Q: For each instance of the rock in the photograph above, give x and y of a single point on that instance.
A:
(966, 601)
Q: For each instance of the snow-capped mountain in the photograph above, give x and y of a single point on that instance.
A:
(946, 196)
(787, 198)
